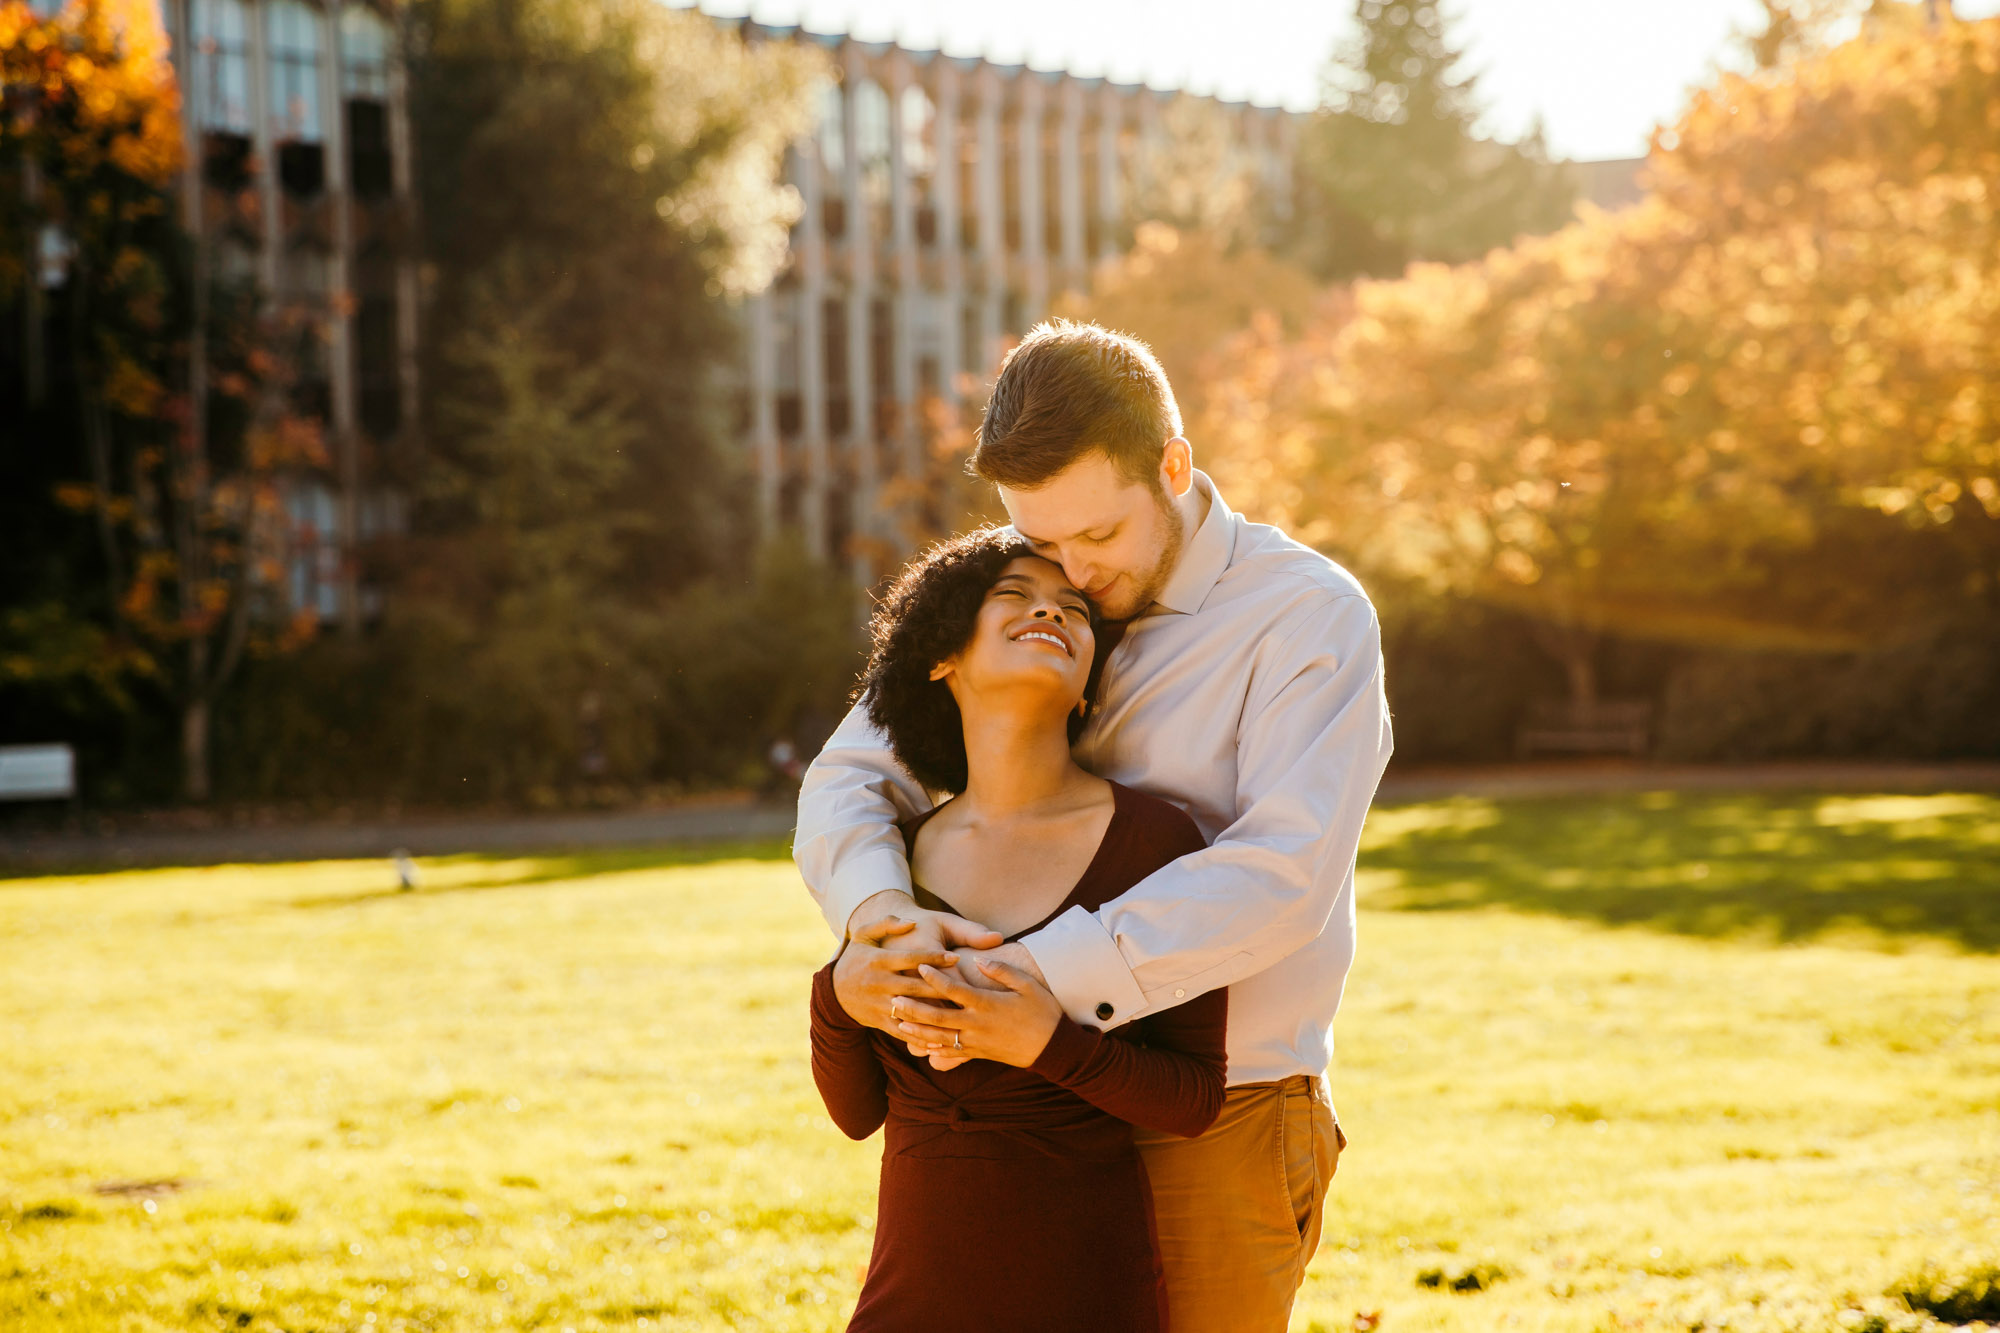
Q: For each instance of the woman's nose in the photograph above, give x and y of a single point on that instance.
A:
(1049, 612)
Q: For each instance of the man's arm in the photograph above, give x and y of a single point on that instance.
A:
(1313, 740)
(849, 851)
(847, 846)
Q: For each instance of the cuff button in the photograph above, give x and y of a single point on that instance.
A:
(1105, 1010)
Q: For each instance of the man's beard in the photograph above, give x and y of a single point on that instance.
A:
(1154, 582)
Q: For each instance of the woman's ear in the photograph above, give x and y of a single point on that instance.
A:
(944, 668)
(1083, 708)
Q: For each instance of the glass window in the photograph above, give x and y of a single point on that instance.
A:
(364, 53)
(221, 73)
(832, 133)
(919, 117)
(293, 41)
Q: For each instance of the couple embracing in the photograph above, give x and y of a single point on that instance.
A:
(1088, 839)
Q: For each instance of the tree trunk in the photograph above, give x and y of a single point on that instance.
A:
(194, 750)
(194, 724)
(1580, 665)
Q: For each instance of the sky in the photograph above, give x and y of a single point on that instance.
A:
(1599, 73)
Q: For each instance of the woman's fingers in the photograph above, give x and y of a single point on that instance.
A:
(949, 986)
(921, 1011)
(1013, 978)
(922, 1034)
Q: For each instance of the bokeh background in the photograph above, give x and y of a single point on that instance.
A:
(472, 430)
(514, 404)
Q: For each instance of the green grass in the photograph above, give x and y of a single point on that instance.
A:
(1630, 1063)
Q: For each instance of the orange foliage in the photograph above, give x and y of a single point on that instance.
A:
(1616, 426)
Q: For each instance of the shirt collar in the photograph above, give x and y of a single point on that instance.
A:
(1207, 554)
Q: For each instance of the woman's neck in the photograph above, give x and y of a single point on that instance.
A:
(1017, 764)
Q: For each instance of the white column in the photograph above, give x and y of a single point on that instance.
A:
(909, 293)
(812, 344)
(402, 179)
(992, 219)
(266, 149)
(1069, 166)
(340, 350)
(1028, 163)
(763, 349)
(861, 443)
(944, 199)
(1110, 171)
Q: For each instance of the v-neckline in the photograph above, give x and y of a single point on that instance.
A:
(1118, 796)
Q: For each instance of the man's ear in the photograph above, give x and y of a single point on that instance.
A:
(1177, 466)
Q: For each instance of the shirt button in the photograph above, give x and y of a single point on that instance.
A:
(1105, 1010)
(1179, 993)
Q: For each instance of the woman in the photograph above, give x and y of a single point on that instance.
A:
(1011, 1194)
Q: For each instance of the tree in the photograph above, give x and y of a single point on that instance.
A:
(1759, 409)
(614, 163)
(1393, 167)
(175, 475)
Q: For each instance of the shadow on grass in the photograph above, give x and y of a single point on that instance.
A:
(477, 872)
(1776, 867)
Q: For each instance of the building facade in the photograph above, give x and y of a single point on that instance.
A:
(946, 201)
(298, 186)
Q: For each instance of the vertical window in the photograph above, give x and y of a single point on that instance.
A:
(871, 150)
(222, 65)
(293, 40)
(919, 119)
(364, 89)
(376, 348)
(785, 334)
(832, 132)
(833, 334)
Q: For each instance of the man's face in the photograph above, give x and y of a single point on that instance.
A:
(1118, 540)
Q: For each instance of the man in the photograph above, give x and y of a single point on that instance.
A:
(1247, 688)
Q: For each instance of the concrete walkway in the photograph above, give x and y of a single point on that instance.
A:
(743, 819)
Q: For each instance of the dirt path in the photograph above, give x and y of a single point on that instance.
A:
(742, 819)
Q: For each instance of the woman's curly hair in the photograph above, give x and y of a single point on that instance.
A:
(928, 615)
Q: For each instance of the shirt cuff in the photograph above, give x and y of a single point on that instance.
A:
(1085, 971)
(861, 878)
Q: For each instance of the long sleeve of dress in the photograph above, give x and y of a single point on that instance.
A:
(845, 1064)
(1170, 1081)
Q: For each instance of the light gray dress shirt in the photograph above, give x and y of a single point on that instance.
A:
(1250, 694)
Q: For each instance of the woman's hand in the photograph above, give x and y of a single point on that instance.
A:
(1011, 1025)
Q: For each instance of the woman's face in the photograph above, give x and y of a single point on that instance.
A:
(1033, 632)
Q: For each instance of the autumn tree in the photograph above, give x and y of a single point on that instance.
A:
(1758, 409)
(150, 437)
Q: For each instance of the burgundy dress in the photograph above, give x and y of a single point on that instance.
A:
(1013, 1198)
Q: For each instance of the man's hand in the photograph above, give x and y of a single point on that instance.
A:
(876, 967)
(1011, 1024)
(935, 931)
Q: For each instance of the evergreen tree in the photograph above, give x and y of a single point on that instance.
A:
(1394, 167)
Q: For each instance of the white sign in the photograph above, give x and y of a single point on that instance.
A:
(31, 771)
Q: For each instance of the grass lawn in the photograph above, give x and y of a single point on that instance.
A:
(1623, 1063)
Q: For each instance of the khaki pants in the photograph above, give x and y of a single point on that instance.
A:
(1238, 1209)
